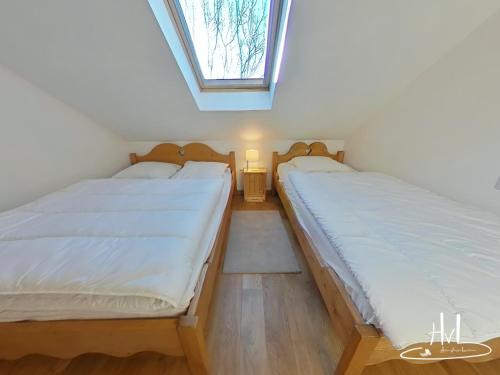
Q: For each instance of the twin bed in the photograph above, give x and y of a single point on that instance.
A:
(124, 265)
(389, 258)
(119, 265)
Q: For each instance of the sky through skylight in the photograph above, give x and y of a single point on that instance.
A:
(229, 36)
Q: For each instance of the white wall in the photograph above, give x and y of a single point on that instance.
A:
(265, 147)
(342, 60)
(443, 131)
(45, 145)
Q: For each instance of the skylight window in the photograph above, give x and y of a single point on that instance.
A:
(229, 51)
(230, 43)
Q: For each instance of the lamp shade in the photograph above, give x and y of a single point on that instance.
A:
(252, 155)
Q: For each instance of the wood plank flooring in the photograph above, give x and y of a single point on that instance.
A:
(268, 324)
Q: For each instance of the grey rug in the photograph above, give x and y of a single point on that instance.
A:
(259, 243)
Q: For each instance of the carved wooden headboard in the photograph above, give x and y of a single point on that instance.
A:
(303, 149)
(172, 153)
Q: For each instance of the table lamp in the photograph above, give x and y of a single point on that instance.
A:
(251, 155)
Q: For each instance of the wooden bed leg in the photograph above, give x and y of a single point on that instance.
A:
(193, 342)
(357, 352)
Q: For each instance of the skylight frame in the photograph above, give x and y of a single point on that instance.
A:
(241, 84)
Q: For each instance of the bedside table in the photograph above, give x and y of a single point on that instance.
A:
(254, 184)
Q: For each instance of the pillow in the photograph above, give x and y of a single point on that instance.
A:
(149, 169)
(202, 170)
(319, 164)
(284, 169)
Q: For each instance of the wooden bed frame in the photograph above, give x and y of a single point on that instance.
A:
(174, 336)
(364, 344)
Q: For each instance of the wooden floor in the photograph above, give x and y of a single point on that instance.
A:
(260, 324)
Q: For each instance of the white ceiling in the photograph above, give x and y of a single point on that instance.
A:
(343, 60)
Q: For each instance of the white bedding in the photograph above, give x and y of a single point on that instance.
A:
(415, 254)
(321, 244)
(109, 248)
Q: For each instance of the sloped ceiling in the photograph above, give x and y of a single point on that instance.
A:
(343, 60)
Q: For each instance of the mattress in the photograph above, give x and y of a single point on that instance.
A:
(109, 248)
(413, 253)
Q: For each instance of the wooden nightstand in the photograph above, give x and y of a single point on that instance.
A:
(254, 184)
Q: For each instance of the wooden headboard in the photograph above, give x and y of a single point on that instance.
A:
(303, 149)
(172, 153)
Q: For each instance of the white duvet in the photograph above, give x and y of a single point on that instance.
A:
(107, 238)
(414, 253)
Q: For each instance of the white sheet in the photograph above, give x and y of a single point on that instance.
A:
(109, 248)
(415, 254)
